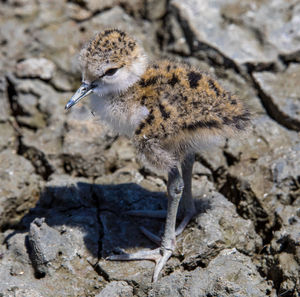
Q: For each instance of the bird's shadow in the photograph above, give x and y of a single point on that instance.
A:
(99, 213)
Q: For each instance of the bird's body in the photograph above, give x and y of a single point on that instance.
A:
(168, 109)
(174, 105)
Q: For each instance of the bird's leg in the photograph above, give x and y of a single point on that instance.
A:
(187, 202)
(168, 241)
(187, 198)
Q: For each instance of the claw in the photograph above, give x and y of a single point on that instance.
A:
(161, 263)
(160, 256)
(152, 255)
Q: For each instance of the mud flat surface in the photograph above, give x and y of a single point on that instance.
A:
(67, 181)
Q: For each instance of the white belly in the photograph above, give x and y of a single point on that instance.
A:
(122, 118)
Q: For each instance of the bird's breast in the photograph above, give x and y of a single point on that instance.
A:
(121, 116)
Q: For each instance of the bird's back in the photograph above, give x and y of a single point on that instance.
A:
(185, 104)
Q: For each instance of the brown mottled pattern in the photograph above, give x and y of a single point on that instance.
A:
(109, 46)
(184, 104)
(180, 97)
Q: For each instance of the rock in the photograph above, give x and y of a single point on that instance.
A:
(44, 246)
(244, 32)
(19, 187)
(36, 67)
(61, 245)
(275, 22)
(4, 103)
(7, 136)
(84, 145)
(229, 274)
(213, 230)
(286, 247)
(35, 104)
(280, 94)
(17, 247)
(259, 188)
(44, 147)
(220, 38)
(15, 48)
(78, 13)
(132, 7)
(67, 168)
(155, 9)
(23, 8)
(176, 40)
(70, 264)
(116, 289)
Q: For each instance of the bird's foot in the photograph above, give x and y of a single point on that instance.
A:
(160, 256)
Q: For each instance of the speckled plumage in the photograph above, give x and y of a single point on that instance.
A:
(169, 110)
(187, 108)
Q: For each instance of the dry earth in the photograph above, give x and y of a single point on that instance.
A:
(66, 181)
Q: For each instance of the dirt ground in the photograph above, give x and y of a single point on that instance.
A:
(67, 180)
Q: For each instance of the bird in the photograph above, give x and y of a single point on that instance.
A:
(169, 110)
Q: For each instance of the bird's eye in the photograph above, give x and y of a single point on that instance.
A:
(111, 71)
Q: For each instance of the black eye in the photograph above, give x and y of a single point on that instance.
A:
(111, 71)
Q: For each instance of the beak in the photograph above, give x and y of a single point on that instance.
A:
(83, 91)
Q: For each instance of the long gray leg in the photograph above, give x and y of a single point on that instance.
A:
(175, 190)
(187, 201)
(187, 198)
(168, 242)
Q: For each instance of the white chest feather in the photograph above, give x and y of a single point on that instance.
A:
(122, 118)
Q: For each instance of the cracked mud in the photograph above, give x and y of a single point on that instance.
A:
(67, 181)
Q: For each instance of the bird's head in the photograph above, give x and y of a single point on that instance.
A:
(111, 62)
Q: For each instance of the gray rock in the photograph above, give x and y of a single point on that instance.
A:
(274, 22)
(259, 188)
(35, 104)
(280, 94)
(44, 246)
(93, 177)
(217, 226)
(84, 145)
(4, 103)
(286, 247)
(17, 247)
(36, 67)
(16, 48)
(116, 289)
(221, 39)
(241, 31)
(229, 274)
(7, 136)
(78, 13)
(155, 9)
(23, 8)
(19, 187)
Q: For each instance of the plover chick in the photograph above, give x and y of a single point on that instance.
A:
(169, 110)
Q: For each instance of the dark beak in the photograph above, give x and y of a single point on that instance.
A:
(83, 91)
